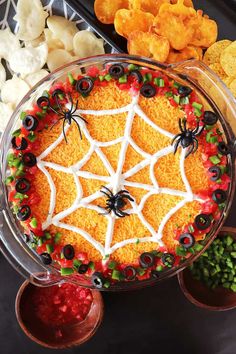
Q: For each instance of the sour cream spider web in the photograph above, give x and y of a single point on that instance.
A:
(116, 180)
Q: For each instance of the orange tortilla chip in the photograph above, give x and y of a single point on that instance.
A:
(127, 21)
(105, 10)
(149, 45)
(189, 52)
(187, 3)
(206, 32)
(151, 6)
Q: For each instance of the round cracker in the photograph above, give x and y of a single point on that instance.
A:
(63, 29)
(8, 43)
(228, 59)
(33, 79)
(86, 44)
(232, 87)
(213, 53)
(57, 58)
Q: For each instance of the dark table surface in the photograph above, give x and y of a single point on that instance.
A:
(137, 322)
(144, 321)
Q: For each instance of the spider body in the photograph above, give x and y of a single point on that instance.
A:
(187, 137)
(116, 202)
(67, 115)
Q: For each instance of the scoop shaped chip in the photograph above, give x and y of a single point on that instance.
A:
(187, 3)
(152, 6)
(149, 45)
(86, 44)
(9, 43)
(63, 29)
(105, 10)
(57, 58)
(217, 68)
(127, 21)
(6, 110)
(187, 53)
(177, 8)
(206, 32)
(213, 53)
(35, 42)
(14, 90)
(31, 19)
(29, 60)
(228, 59)
(2, 75)
(33, 79)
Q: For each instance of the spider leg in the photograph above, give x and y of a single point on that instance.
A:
(56, 123)
(80, 133)
(76, 115)
(122, 213)
(117, 213)
(106, 212)
(58, 103)
(190, 150)
(123, 191)
(196, 129)
(108, 190)
(200, 131)
(128, 197)
(176, 137)
(64, 134)
(75, 109)
(105, 194)
(185, 124)
(180, 125)
(176, 145)
(195, 145)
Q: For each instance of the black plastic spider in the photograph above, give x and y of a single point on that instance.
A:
(187, 137)
(115, 202)
(67, 115)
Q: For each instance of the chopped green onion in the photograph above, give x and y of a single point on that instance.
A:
(57, 237)
(101, 78)
(184, 100)
(132, 67)
(191, 228)
(106, 284)
(107, 77)
(40, 241)
(197, 112)
(198, 247)
(159, 268)
(49, 248)
(197, 105)
(159, 82)
(23, 115)
(141, 271)
(20, 196)
(31, 137)
(67, 271)
(181, 251)
(137, 241)
(91, 265)
(176, 84)
(77, 263)
(147, 78)
(123, 79)
(47, 235)
(214, 159)
(112, 265)
(208, 127)
(40, 115)
(168, 94)
(46, 93)
(34, 223)
(177, 99)
(16, 133)
(71, 79)
(9, 180)
(116, 275)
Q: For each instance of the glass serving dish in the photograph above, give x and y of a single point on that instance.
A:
(214, 95)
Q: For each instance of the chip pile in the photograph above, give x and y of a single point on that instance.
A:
(221, 58)
(42, 44)
(165, 30)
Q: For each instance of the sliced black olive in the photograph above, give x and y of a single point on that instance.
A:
(84, 85)
(43, 102)
(29, 159)
(219, 196)
(22, 185)
(57, 92)
(46, 258)
(68, 252)
(216, 173)
(23, 213)
(202, 221)
(186, 240)
(223, 148)
(137, 75)
(83, 268)
(23, 144)
(184, 91)
(30, 123)
(116, 71)
(98, 280)
(147, 259)
(210, 118)
(148, 91)
(168, 259)
(130, 273)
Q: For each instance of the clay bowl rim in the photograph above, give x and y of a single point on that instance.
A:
(225, 230)
(97, 298)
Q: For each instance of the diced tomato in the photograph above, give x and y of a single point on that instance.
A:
(172, 102)
(93, 71)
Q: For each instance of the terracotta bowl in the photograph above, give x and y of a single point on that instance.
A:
(219, 299)
(70, 335)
